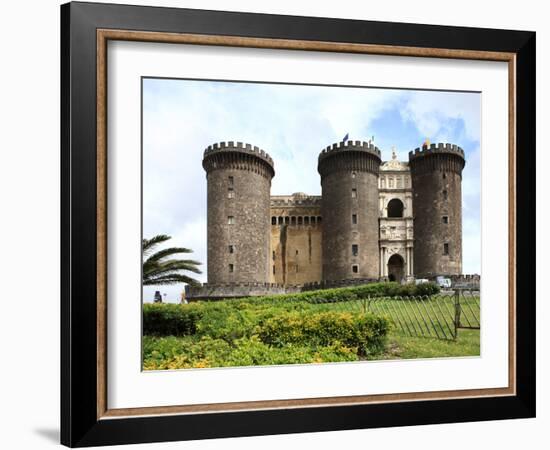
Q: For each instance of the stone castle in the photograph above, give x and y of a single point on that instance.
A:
(374, 221)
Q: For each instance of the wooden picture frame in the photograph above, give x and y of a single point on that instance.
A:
(85, 417)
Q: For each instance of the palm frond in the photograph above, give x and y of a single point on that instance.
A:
(159, 271)
(148, 245)
(168, 252)
(171, 279)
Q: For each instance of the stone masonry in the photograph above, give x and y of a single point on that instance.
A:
(374, 221)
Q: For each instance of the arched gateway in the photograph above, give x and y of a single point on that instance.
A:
(396, 268)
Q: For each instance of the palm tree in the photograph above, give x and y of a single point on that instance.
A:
(157, 270)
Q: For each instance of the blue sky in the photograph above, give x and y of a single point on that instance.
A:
(293, 123)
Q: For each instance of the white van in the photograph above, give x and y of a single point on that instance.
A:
(443, 282)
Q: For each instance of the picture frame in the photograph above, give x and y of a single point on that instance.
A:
(86, 28)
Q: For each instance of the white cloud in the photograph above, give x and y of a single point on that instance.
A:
(430, 111)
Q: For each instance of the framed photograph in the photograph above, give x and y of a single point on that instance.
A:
(277, 224)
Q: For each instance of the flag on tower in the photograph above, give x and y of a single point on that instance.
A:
(346, 137)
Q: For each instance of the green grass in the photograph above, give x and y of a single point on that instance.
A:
(406, 347)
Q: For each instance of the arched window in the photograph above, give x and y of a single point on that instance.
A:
(395, 208)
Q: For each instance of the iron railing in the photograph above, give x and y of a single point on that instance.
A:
(438, 316)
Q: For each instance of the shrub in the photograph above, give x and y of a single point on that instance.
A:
(170, 319)
(366, 332)
(428, 289)
(188, 352)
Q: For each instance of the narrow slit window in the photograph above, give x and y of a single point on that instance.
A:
(354, 193)
(231, 249)
(445, 248)
(274, 220)
(354, 249)
(354, 219)
(231, 268)
(445, 195)
(445, 219)
(230, 193)
(230, 220)
(355, 268)
(231, 181)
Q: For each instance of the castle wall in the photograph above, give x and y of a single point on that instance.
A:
(260, 244)
(238, 221)
(296, 240)
(437, 201)
(349, 207)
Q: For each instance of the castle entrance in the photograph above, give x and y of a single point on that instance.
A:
(396, 266)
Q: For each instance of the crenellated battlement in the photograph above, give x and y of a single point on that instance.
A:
(239, 147)
(439, 148)
(347, 146)
(348, 156)
(296, 200)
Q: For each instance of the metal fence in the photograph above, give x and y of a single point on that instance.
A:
(439, 316)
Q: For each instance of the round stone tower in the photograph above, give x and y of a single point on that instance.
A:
(349, 207)
(238, 219)
(436, 173)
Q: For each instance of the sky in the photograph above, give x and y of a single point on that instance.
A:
(293, 123)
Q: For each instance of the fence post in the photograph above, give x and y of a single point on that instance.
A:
(457, 312)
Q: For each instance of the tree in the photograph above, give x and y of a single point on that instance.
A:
(158, 269)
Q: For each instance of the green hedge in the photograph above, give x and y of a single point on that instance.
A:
(366, 332)
(164, 319)
(172, 352)
(236, 318)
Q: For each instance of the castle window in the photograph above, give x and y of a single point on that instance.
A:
(273, 255)
(300, 220)
(445, 219)
(312, 220)
(230, 193)
(444, 175)
(231, 268)
(354, 219)
(287, 220)
(293, 220)
(231, 249)
(296, 252)
(395, 208)
(354, 193)
(280, 220)
(354, 249)
(353, 174)
(230, 220)
(399, 182)
(274, 220)
(273, 270)
(355, 268)
(445, 248)
(444, 195)
(390, 182)
(230, 180)
(306, 220)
